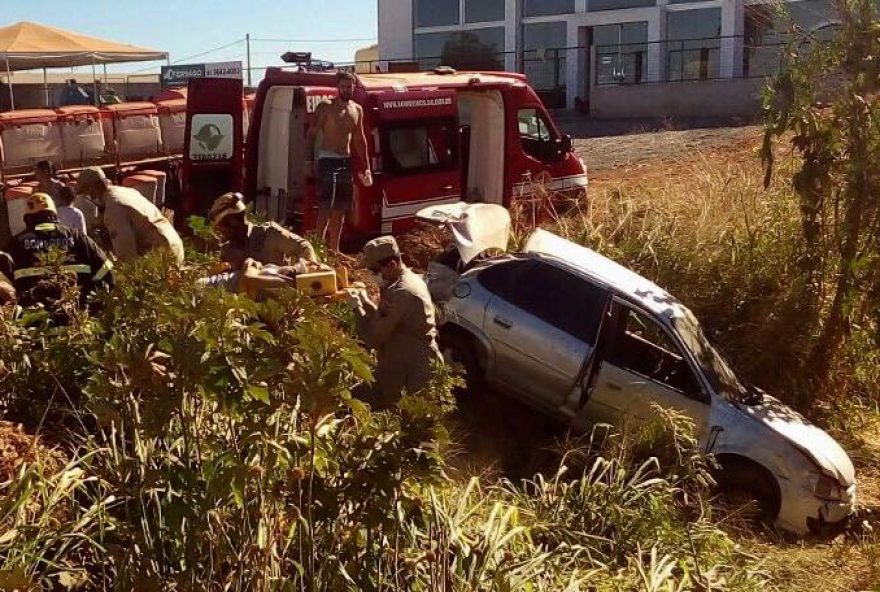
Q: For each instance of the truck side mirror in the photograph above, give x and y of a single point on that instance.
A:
(565, 144)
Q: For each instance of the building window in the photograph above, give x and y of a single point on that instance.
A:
(693, 44)
(621, 52)
(766, 32)
(482, 11)
(597, 5)
(477, 49)
(436, 13)
(547, 7)
(544, 59)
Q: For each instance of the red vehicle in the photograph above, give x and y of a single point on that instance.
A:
(434, 138)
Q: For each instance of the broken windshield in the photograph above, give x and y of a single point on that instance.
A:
(717, 371)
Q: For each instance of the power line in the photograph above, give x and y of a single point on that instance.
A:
(198, 55)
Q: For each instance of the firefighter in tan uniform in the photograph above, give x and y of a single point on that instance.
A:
(402, 328)
(135, 225)
(269, 243)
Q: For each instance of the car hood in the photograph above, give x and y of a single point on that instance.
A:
(474, 227)
(806, 437)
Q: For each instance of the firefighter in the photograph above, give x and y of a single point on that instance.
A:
(268, 243)
(135, 225)
(340, 123)
(401, 328)
(44, 233)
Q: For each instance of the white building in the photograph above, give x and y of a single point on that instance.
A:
(568, 47)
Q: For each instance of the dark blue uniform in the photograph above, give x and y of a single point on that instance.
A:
(35, 282)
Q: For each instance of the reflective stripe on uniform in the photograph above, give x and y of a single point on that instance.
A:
(46, 227)
(101, 273)
(27, 272)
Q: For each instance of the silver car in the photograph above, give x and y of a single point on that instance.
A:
(588, 341)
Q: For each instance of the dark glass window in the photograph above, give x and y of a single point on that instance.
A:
(481, 11)
(418, 147)
(436, 13)
(621, 52)
(597, 5)
(643, 347)
(477, 49)
(693, 47)
(547, 7)
(544, 55)
(557, 297)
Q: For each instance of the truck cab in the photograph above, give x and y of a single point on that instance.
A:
(433, 138)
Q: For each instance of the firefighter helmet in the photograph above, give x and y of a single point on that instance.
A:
(225, 205)
(38, 203)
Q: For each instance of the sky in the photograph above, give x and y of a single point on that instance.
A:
(185, 28)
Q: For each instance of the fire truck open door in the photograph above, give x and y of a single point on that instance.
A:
(214, 146)
(419, 154)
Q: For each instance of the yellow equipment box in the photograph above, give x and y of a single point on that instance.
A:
(319, 283)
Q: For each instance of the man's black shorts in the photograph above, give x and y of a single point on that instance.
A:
(335, 184)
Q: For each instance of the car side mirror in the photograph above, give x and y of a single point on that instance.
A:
(565, 143)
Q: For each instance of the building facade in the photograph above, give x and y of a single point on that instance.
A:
(570, 47)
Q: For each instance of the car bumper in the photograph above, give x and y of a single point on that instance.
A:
(808, 514)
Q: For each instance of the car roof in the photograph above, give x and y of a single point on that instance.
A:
(623, 281)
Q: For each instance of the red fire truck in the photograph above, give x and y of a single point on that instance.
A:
(434, 138)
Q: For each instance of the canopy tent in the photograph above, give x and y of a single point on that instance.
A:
(30, 46)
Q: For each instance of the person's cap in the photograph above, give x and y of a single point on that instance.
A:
(379, 250)
(90, 177)
(225, 205)
(38, 203)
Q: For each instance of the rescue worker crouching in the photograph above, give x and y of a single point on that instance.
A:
(32, 277)
(402, 328)
(135, 225)
(268, 243)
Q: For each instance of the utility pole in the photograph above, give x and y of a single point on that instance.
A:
(247, 40)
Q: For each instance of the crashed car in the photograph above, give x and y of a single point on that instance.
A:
(582, 338)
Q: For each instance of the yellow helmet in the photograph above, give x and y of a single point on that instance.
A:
(226, 204)
(38, 203)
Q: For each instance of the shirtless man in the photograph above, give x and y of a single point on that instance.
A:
(341, 125)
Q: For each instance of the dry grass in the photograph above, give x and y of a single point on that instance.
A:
(703, 227)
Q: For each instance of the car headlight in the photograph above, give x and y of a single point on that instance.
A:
(827, 488)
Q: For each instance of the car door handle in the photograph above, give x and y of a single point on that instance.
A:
(502, 322)
(613, 386)
(447, 188)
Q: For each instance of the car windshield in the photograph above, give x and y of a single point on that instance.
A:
(717, 371)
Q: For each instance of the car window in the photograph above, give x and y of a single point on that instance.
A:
(501, 278)
(556, 296)
(532, 126)
(419, 147)
(535, 135)
(643, 346)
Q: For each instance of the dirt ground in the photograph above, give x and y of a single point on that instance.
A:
(609, 145)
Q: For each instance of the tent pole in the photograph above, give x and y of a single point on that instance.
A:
(46, 87)
(95, 86)
(9, 82)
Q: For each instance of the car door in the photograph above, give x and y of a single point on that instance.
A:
(214, 146)
(542, 323)
(418, 139)
(644, 364)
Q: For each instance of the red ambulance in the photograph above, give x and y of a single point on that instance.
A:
(434, 138)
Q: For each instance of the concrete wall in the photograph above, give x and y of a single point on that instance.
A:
(705, 98)
(395, 30)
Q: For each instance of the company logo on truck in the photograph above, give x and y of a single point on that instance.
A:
(417, 103)
(312, 102)
(211, 138)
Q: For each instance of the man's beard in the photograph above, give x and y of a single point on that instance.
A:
(345, 96)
